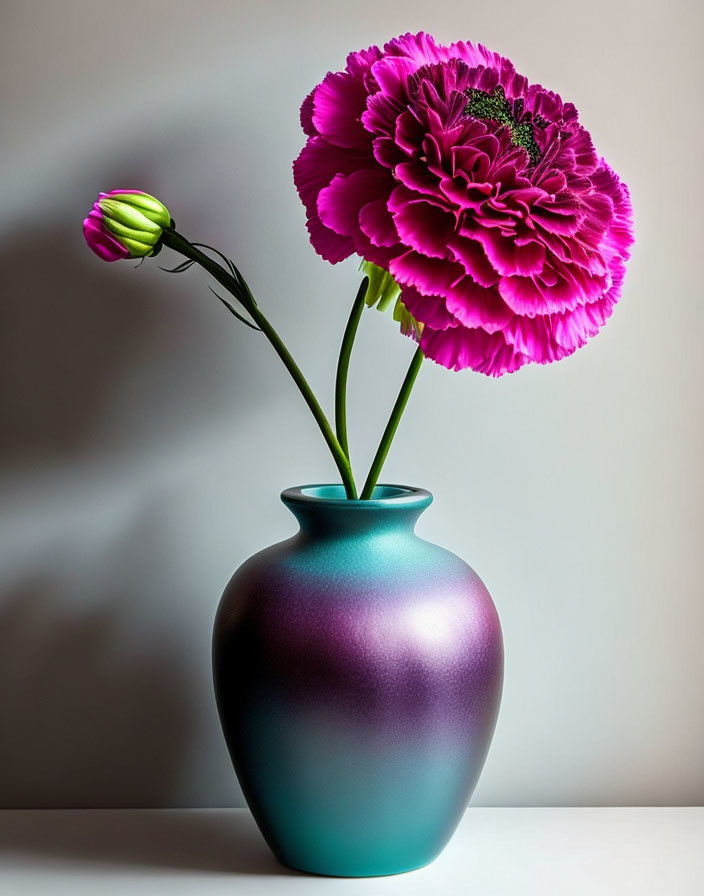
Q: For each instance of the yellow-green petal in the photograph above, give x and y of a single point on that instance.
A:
(409, 325)
(128, 215)
(157, 211)
(383, 290)
(121, 231)
(136, 248)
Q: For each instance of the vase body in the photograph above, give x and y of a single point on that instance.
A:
(358, 673)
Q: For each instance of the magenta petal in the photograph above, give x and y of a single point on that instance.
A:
(377, 223)
(419, 48)
(307, 107)
(535, 338)
(327, 244)
(424, 226)
(478, 55)
(573, 329)
(101, 241)
(359, 62)
(475, 306)
(561, 216)
(381, 114)
(387, 153)
(561, 289)
(408, 132)
(472, 161)
(316, 166)
(473, 258)
(460, 347)
(507, 256)
(430, 276)
(337, 106)
(429, 310)
(339, 204)
(465, 194)
(416, 176)
(391, 74)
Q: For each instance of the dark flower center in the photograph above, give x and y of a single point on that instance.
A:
(495, 107)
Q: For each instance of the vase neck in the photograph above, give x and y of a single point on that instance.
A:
(324, 511)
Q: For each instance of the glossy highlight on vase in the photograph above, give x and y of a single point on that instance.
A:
(358, 673)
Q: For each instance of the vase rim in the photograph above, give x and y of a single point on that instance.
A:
(386, 496)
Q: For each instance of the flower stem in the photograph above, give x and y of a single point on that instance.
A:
(178, 243)
(343, 365)
(392, 425)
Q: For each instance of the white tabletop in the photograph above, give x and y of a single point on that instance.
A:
(516, 852)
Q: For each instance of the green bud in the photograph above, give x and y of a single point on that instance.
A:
(136, 220)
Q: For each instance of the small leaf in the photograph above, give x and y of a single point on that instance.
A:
(237, 277)
(233, 311)
(244, 285)
(179, 269)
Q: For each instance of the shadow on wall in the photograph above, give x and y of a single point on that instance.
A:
(68, 333)
(81, 711)
(103, 374)
(84, 709)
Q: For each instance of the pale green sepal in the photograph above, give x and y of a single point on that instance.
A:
(383, 290)
(409, 325)
(136, 248)
(130, 233)
(157, 211)
(128, 215)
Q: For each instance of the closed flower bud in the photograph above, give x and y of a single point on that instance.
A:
(126, 224)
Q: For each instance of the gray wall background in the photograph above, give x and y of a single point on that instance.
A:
(145, 437)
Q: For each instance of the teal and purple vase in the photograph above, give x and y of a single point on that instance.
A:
(358, 673)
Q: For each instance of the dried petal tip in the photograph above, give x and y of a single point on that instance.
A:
(126, 224)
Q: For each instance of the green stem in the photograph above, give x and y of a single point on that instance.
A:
(392, 425)
(178, 243)
(343, 366)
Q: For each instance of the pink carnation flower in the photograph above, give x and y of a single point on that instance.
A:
(480, 193)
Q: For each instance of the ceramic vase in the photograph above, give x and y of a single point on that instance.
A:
(358, 672)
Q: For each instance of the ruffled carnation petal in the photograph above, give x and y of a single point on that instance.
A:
(340, 203)
(377, 223)
(391, 74)
(429, 310)
(416, 177)
(422, 224)
(476, 306)
(557, 289)
(419, 48)
(307, 115)
(473, 258)
(460, 347)
(316, 166)
(328, 244)
(338, 104)
(507, 256)
(431, 276)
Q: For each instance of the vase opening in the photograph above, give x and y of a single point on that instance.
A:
(383, 496)
(325, 509)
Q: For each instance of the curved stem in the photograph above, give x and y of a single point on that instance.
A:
(392, 425)
(343, 365)
(175, 241)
